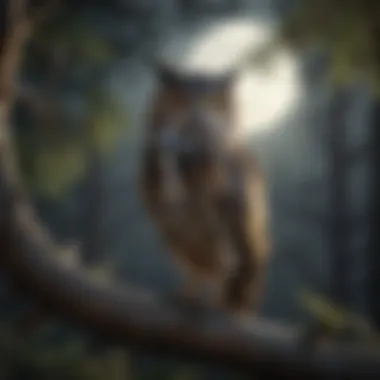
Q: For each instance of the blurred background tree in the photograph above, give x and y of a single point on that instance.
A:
(348, 34)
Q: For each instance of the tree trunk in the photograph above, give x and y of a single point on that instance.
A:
(374, 204)
(374, 246)
(338, 204)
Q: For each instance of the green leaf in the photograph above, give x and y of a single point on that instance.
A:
(323, 310)
(107, 121)
(58, 168)
(94, 50)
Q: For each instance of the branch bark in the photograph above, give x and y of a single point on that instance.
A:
(131, 316)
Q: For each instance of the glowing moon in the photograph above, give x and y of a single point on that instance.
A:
(263, 96)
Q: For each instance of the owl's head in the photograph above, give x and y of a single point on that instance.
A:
(181, 90)
(194, 105)
(193, 115)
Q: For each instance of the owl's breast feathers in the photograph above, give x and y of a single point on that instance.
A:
(201, 227)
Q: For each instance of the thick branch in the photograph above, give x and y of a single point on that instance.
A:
(134, 317)
(138, 318)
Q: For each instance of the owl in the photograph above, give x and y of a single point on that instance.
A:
(204, 190)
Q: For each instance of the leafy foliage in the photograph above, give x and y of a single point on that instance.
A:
(349, 31)
(71, 108)
(57, 168)
(106, 117)
(336, 319)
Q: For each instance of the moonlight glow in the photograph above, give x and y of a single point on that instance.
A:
(263, 95)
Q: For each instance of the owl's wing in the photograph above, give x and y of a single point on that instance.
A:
(242, 205)
(242, 209)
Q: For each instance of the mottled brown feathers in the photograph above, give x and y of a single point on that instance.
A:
(213, 217)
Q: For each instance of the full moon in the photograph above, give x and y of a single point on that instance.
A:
(263, 95)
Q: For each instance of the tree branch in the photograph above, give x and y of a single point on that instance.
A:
(127, 315)
(132, 316)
